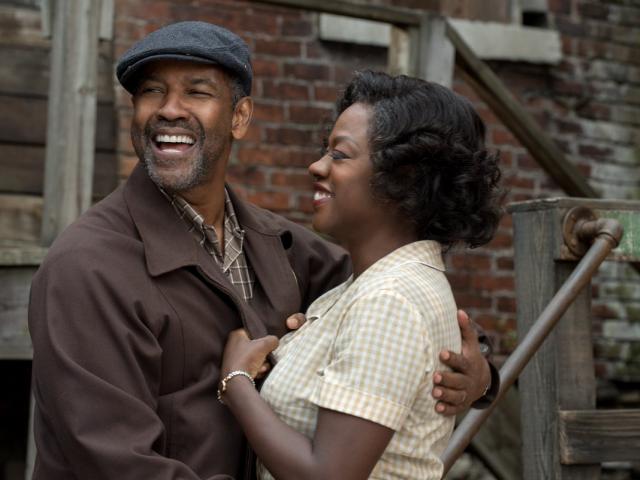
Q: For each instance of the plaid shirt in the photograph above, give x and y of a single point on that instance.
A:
(231, 258)
(369, 349)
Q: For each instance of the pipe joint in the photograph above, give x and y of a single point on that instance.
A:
(581, 227)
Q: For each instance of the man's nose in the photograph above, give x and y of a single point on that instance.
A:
(172, 108)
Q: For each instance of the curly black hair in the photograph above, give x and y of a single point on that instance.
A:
(428, 155)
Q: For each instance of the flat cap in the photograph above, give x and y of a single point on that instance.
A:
(192, 41)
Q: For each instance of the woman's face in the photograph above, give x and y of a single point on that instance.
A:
(343, 202)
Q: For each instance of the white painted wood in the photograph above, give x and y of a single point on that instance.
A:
(71, 120)
(437, 56)
(489, 40)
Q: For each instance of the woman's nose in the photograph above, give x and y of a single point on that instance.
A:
(320, 168)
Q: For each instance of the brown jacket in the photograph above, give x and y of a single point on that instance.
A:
(129, 316)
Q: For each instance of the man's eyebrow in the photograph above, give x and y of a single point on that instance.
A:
(203, 81)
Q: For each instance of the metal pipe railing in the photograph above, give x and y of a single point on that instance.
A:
(606, 234)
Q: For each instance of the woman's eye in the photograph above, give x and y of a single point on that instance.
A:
(337, 155)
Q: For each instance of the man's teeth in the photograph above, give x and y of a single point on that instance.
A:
(174, 139)
(321, 195)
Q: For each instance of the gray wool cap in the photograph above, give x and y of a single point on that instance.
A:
(192, 41)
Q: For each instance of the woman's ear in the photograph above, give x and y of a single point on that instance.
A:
(241, 117)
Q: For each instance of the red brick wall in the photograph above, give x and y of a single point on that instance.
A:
(590, 103)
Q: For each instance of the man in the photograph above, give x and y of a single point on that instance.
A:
(131, 308)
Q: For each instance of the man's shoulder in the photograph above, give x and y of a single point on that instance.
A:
(99, 231)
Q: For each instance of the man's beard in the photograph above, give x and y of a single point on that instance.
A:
(200, 164)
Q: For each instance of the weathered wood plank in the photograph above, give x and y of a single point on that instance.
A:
(20, 219)
(560, 373)
(24, 120)
(588, 436)
(14, 298)
(24, 70)
(23, 166)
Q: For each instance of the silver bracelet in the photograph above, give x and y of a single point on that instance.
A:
(223, 383)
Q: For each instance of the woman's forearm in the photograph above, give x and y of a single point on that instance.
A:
(344, 447)
(286, 453)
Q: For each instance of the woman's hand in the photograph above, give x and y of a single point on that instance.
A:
(242, 353)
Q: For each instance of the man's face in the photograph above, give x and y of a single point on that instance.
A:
(183, 123)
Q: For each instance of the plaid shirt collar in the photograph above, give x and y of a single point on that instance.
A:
(231, 258)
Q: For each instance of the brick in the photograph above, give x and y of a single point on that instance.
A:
(468, 261)
(282, 48)
(471, 300)
(305, 205)
(265, 68)
(513, 181)
(296, 28)
(274, 155)
(325, 93)
(283, 90)
(505, 263)
(288, 136)
(298, 180)
(568, 126)
(501, 240)
(500, 136)
(595, 151)
(459, 280)
(593, 10)
(276, 201)
(246, 175)
(311, 115)
(560, 6)
(307, 71)
(254, 133)
(264, 24)
(506, 304)
(268, 112)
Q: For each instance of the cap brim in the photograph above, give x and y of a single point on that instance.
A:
(130, 76)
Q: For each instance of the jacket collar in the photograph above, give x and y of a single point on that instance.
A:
(168, 245)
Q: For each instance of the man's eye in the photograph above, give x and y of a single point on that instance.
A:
(199, 93)
(150, 90)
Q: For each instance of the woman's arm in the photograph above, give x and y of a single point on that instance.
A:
(344, 446)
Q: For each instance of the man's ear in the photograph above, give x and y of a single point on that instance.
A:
(241, 117)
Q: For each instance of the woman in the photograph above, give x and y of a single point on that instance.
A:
(405, 175)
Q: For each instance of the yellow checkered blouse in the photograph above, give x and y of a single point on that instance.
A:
(369, 349)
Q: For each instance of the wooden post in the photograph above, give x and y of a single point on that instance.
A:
(423, 51)
(561, 375)
(71, 119)
(436, 60)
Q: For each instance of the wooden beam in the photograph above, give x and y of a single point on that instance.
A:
(518, 120)
(71, 119)
(377, 13)
(588, 436)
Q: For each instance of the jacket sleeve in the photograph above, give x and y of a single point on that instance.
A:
(319, 264)
(96, 374)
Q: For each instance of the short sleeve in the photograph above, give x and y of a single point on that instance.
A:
(379, 362)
